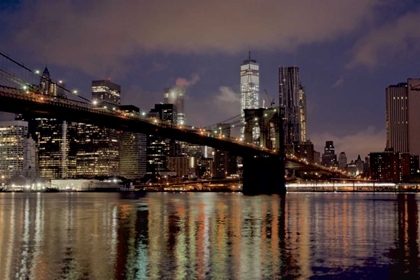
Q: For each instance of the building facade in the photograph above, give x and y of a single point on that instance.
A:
(302, 150)
(132, 150)
(180, 165)
(17, 150)
(290, 92)
(389, 166)
(106, 93)
(397, 118)
(52, 147)
(342, 161)
(158, 148)
(96, 149)
(250, 90)
(329, 158)
(413, 87)
(224, 163)
(302, 113)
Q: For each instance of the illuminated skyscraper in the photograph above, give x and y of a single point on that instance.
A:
(302, 113)
(15, 155)
(293, 101)
(175, 95)
(132, 150)
(97, 148)
(250, 90)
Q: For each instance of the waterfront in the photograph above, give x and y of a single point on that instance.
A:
(208, 236)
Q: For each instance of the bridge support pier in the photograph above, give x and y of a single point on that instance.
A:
(263, 175)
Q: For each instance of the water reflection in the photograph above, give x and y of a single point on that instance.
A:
(208, 236)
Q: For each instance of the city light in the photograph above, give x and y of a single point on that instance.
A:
(36, 71)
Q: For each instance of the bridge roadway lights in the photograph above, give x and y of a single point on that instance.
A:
(263, 175)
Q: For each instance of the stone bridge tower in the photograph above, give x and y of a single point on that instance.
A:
(264, 174)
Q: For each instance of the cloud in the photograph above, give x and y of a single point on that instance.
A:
(183, 82)
(227, 95)
(394, 39)
(362, 142)
(100, 39)
(156, 67)
(338, 83)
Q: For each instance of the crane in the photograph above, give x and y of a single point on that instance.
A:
(272, 102)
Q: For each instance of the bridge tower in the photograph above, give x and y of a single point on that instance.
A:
(263, 174)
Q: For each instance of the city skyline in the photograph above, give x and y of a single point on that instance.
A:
(345, 68)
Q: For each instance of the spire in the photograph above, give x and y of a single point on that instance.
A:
(249, 55)
(46, 73)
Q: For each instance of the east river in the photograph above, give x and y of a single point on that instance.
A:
(209, 236)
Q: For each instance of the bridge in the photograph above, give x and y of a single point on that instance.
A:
(263, 164)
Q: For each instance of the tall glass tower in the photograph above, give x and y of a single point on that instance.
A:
(250, 90)
(291, 99)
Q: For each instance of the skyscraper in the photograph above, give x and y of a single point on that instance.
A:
(342, 161)
(329, 158)
(175, 95)
(14, 153)
(132, 150)
(157, 147)
(250, 90)
(302, 113)
(96, 148)
(413, 116)
(290, 93)
(397, 117)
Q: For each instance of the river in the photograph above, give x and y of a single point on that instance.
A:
(209, 236)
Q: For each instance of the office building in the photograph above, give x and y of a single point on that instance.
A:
(132, 150)
(179, 165)
(292, 98)
(304, 151)
(224, 163)
(175, 95)
(329, 158)
(389, 166)
(397, 118)
(342, 161)
(52, 147)
(106, 93)
(250, 90)
(413, 87)
(167, 113)
(158, 148)
(317, 157)
(96, 148)
(302, 114)
(17, 150)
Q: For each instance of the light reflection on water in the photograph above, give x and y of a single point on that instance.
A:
(208, 236)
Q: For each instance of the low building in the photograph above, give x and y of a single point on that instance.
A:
(389, 166)
(180, 165)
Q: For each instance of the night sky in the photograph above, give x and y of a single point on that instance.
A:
(348, 53)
